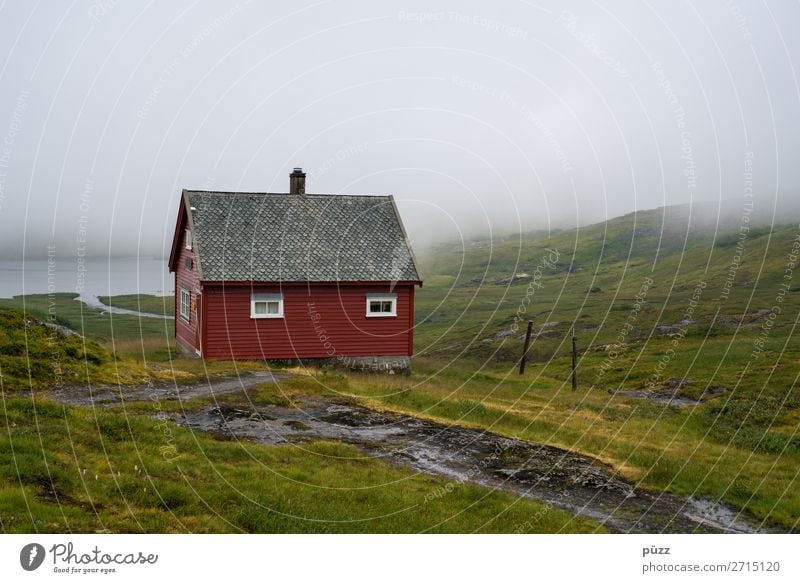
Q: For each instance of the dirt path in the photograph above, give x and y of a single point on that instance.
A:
(551, 475)
(107, 396)
(556, 477)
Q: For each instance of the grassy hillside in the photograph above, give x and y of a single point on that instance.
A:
(142, 303)
(64, 309)
(120, 348)
(647, 283)
(83, 470)
(662, 303)
(750, 462)
(121, 470)
(34, 355)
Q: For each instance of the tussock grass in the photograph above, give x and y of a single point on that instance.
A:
(77, 470)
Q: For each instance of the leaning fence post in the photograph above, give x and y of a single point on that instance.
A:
(574, 360)
(525, 348)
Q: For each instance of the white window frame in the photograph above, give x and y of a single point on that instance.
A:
(186, 307)
(382, 298)
(188, 239)
(257, 298)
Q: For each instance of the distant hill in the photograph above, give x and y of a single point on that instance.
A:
(678, 293)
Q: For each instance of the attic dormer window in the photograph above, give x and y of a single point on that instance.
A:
(188, 239)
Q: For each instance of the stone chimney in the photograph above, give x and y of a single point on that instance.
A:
(297, 181)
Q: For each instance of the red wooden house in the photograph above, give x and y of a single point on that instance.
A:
(294, 276)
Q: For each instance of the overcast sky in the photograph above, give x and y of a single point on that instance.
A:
(477, 116)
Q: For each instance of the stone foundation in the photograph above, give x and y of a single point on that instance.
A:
(375, 364)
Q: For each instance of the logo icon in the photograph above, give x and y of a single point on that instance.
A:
(31, 556)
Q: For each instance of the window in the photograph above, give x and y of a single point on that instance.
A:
(188, 238)
(266, 306)
(381, 305)
(186, 300)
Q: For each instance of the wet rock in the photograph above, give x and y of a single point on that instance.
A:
(353, 417)
(561, 478)
(227, 411)
(711, 391)
(297, 425)
(558, 477)
(513, 279)
(618, 346)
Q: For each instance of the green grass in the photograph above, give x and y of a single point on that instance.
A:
(146, 303)
(63, 308)
(78, 470)
(35, 356)
(723, 451)
(740, 446)
(457, 319)
(121, 349)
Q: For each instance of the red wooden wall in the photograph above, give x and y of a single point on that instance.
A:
(186, 332)
(320, 321)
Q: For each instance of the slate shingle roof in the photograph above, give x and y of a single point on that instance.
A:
(291, 237)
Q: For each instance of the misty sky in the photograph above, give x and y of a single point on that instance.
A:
(477, 116)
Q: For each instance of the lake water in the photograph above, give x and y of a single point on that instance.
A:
(94, 277)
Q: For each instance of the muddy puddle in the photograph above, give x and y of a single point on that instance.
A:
(85, 396)
(554, 476)
(661, 397)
